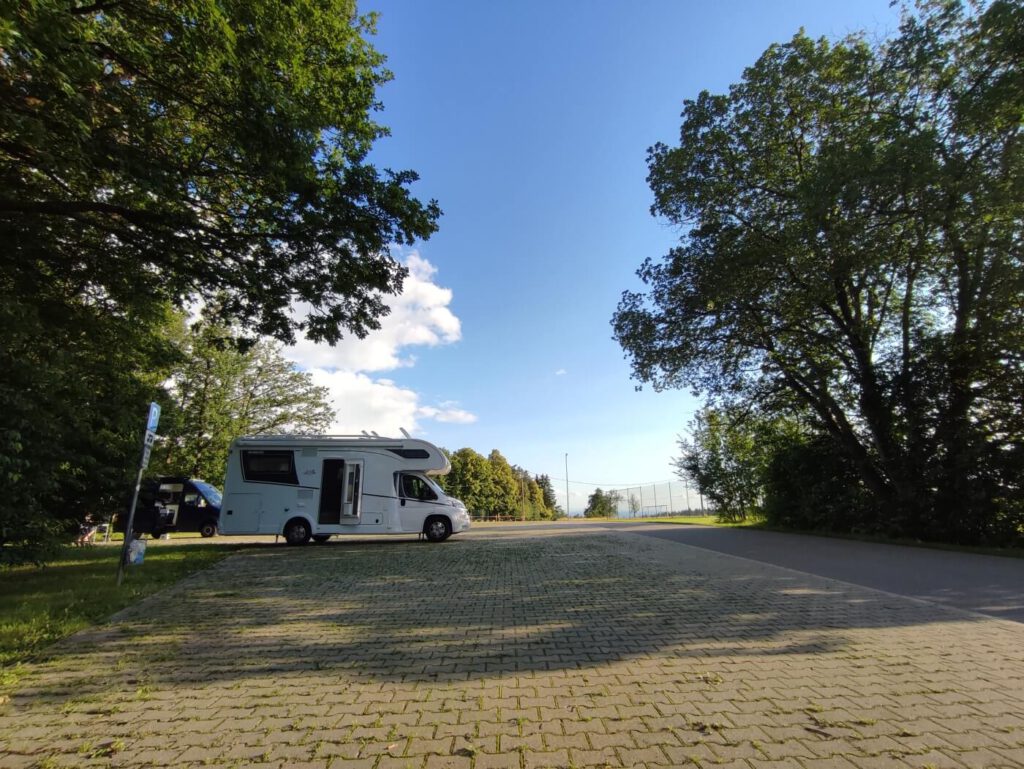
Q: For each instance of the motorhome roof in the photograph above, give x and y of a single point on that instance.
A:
(438, 463)
(303, 438)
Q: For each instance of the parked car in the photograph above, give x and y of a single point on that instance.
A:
(175, 503)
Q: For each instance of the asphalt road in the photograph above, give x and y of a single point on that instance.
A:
(986, 584)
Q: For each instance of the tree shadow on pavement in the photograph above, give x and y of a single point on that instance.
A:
(475, 608)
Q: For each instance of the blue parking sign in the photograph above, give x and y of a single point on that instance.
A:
(154, 417)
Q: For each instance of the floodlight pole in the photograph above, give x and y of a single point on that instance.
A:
(567, 484)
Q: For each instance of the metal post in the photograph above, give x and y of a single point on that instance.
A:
(128, 527)
(522, 491)
(670, 505)
(148, 438)
(567, 485)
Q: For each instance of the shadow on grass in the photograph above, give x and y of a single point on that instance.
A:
(39, 605)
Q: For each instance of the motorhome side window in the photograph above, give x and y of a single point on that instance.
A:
(269, 467)
(414, 487)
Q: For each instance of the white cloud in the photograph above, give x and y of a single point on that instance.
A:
(448, 413)
(419, 317)
(560, 372)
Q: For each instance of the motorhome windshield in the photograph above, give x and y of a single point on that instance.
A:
(434, 485)
(209, 492)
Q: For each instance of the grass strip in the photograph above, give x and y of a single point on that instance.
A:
(40, 605)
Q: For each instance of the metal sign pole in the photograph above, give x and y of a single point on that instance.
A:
(147, 445)
(128, 527)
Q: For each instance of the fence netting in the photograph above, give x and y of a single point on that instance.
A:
(660, 499)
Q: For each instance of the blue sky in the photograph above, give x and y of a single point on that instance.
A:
(529, 123)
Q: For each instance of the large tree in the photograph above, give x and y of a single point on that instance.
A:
(728, 456)
(490, 486)
(602, 504)
(74, 399)
(218, 392)
(156, 152)
(852, 248)
(548, 495)
(469, 480)
(503, 492)
(169, 150)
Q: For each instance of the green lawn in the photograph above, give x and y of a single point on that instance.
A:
(704, 520)
(41, 605)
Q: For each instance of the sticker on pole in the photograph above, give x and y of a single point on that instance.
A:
(136, 552)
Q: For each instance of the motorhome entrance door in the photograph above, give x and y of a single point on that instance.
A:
(332, 482)
(353, 490)
(340, 489)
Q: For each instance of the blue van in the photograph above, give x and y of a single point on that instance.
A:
(175, 503)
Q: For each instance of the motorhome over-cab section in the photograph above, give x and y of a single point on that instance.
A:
(316, 487)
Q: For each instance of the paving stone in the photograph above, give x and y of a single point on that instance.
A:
(499, 761)
(542, 649)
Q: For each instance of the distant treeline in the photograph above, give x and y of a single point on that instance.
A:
(490, 486)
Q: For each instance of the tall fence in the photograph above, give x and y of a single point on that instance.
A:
(670, 498)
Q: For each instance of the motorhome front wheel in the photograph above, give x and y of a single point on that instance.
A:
(296, 531)
(437, 529)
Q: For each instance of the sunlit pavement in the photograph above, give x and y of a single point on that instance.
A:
(567, 646)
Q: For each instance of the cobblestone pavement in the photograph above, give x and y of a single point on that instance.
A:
(522, 650)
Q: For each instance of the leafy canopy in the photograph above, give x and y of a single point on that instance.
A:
(160, 151)
(156, 153)
(217, 393)
(852, 225)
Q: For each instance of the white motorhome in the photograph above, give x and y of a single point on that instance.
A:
(316, 486)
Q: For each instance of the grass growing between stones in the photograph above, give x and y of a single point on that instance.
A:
(40, 605)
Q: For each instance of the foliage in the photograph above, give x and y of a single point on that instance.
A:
(163, 151)
(218, 392)
(489, 486)
(151, 155)
(550, 501)
(469, 480)
(854, 219)
(602, 504)
(634, 504)
(503, 493)
(74, 401)
(532, 504)
(810, 484)
(728, 457)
